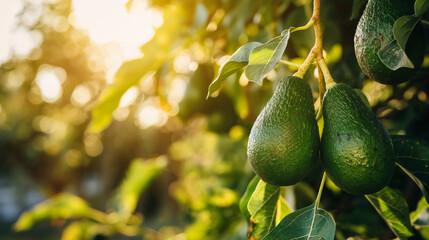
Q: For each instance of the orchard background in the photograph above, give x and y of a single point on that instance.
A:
(104, 118)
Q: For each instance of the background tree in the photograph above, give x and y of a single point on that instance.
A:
(169, 163)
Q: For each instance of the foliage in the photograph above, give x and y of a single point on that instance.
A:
(190, 168)
(394, 210)
(121, 220)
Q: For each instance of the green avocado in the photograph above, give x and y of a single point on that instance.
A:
(284, 140)
(375, 30)
(356, 150)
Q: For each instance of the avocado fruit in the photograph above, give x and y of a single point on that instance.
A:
(356, 149)
(284, 140)
(375, 30)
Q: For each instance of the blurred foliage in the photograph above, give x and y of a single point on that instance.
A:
(191, 169)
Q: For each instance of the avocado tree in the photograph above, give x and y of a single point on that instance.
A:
(356, 150)
(290, 98)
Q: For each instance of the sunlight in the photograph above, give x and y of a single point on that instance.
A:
(15, 40)
(81, 95)
(129, 97)
(49, 80)
(109, 21)
(150, 115)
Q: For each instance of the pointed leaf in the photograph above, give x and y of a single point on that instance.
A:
(392, 55)
(283, 209)
(237, 61)
(246, 196)
(412, 156)
(262, 208)
(356, 7)
(307, 223)
(61, 206)
(402, 29)
(420, 217)
(420, 7)
(393, 208)
(140, 174)
(265, 57)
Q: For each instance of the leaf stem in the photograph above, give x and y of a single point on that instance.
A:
(305, 27)
(290, 63)
(319, 194)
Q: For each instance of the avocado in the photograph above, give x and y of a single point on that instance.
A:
(284, 140)
(356, 149)
(375, 30)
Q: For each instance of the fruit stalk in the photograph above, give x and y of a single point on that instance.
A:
(319, 194)
(316, 52)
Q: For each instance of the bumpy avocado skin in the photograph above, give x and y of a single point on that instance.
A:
(284, 140)
(374, 29)
(356, 150)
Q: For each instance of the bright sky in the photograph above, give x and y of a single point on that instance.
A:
(107, 21)
(118, 32)
(13, 39)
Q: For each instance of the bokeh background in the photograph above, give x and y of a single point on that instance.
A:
(161, 161)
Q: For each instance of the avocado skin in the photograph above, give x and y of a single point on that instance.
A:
(284, 140)
(375, 27)
(356, 149)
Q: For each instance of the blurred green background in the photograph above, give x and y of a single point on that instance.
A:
(161, 161)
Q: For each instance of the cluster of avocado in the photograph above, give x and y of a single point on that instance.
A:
(355, 149)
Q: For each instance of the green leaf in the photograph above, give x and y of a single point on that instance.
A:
(81, 230)
(420, 7)
(262, 208)
(61, 206)
(393, 208)
(283, 209)
(237, 61)
(392, 55)
(139, 175)
(128, 75)
(412, 156)
(246, 196)
(265, 57)
(402, 29)
(420, 217)
(310, 222)
(356, 7)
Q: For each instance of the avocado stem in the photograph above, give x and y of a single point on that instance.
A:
(304, 67)
(318, 45)
(326, 74)
(319, 194)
